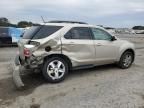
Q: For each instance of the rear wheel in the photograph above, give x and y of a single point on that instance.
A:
(55, 69)
(126, 60)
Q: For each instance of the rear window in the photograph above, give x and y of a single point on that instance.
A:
(46, 31)
(40, 32)
(28, 34)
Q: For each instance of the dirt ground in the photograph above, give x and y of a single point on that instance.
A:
(100, 87)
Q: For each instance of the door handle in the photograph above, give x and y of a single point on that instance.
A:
(99, 44)
(71, 42)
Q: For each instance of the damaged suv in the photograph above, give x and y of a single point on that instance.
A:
(60, 46)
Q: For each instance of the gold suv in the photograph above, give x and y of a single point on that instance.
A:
(60, 46)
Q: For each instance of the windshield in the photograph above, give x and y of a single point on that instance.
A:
(39, 32)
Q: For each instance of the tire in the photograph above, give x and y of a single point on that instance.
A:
(55, 69)
(126, 60)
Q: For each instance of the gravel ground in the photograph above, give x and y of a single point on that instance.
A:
(100, 87)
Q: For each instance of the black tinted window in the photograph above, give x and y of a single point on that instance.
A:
(46, 31)
(78, 33)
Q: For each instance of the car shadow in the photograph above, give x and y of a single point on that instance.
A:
(32, 81)
(9, 92)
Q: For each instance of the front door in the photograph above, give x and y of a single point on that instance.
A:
(106, 49)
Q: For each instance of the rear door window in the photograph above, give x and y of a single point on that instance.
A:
(79, 33)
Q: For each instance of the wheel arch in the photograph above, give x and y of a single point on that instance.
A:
(61, 56)
(130, 50)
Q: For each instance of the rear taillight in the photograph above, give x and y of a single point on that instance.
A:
(26, 52)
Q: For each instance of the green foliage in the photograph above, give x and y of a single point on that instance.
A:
(23, 24)
(7, 24)
(4, 20)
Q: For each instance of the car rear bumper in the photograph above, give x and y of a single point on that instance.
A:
(16, 74)
(21, 69)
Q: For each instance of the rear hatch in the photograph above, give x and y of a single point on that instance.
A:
(35, 33)
(26, 37)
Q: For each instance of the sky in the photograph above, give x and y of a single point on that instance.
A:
(114, 13)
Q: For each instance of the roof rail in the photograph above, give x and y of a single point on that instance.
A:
(73, 22)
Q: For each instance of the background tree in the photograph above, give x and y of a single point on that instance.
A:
(5, 23)
(23, 24)
(4, 20)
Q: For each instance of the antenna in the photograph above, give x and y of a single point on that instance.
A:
(43, 19)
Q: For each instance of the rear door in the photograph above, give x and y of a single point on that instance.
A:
(106, 49)
(78, 45)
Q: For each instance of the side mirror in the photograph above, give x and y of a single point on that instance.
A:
(113, 38)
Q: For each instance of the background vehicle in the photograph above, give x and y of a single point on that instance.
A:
(5, 38)
(9, 35)
(15, 33)
(60, 46)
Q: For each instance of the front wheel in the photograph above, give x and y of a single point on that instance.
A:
(55, 69)
(126, 60)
